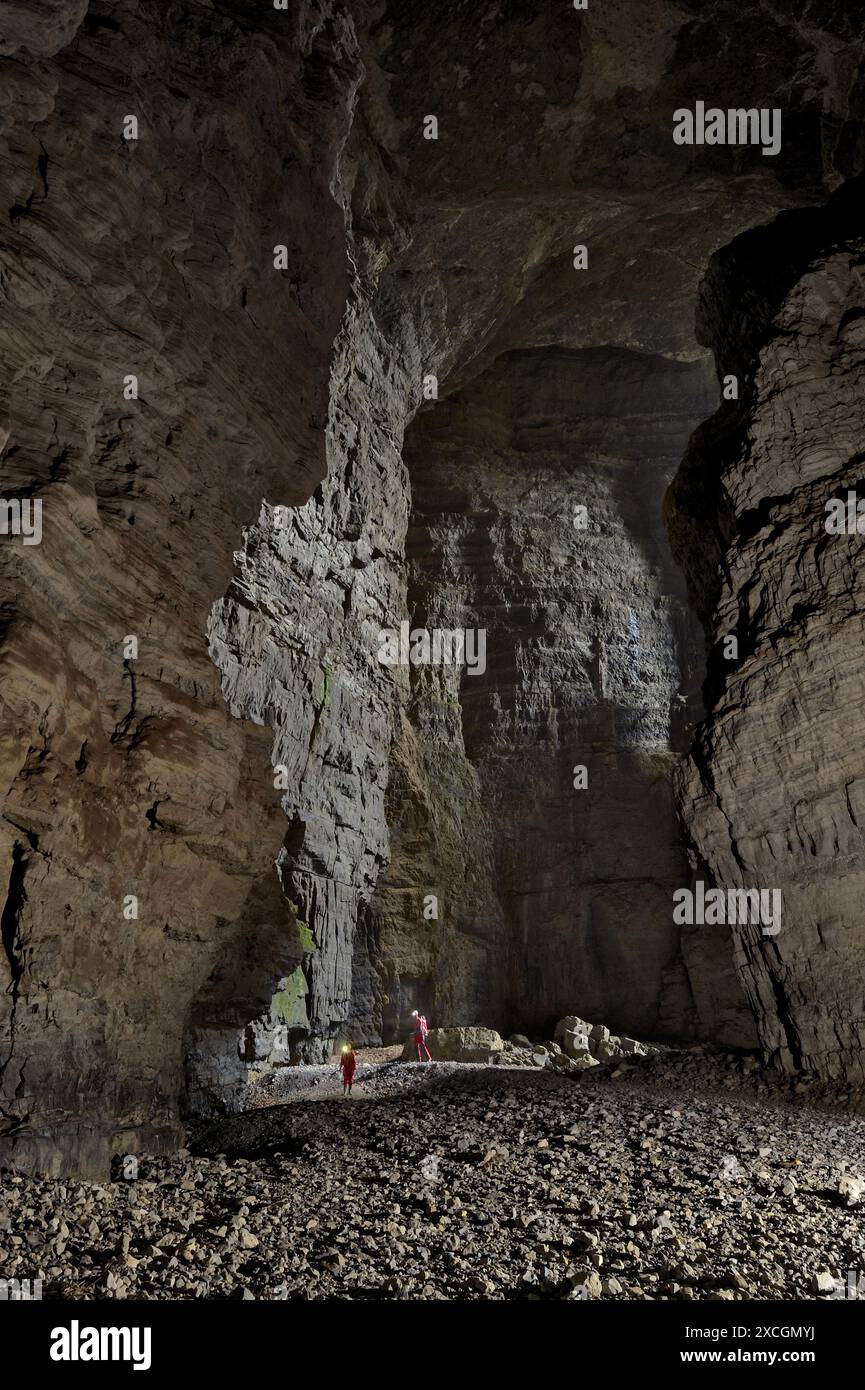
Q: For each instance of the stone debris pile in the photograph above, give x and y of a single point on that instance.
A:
(576, 1046)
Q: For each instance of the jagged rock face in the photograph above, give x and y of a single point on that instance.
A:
(773, 793)
(153, 775)
(125, 777)
(491, 250)
(536, 521)
(295, 639)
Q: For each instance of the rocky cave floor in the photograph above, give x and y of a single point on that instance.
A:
(689, 1175)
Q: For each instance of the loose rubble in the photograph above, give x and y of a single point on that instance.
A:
(576, 1046)
(677, 1175)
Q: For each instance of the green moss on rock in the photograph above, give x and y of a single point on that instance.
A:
(289, 1002)
(307, 940)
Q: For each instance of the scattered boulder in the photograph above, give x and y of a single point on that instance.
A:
(575, 1044)
(571, 1024)
(850, 1189)
(607, 1049)
(581, 1039)
(459, 1045)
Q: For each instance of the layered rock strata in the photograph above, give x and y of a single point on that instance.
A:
(128, 787)
(151, 776)
(536, 522)
(773, 792)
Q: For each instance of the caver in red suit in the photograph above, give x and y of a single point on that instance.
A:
(421, 1030)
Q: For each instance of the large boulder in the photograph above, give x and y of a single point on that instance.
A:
(580, 1040)
(575, 1044)
(459, 1045)
(571, 1024)
(607, 1049)
(576, 1036)
(583, 1063)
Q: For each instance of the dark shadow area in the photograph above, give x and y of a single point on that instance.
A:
(536, 520)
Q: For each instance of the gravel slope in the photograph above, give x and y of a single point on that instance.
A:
(684, 1176)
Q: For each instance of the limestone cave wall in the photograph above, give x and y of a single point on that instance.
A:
(249, 519)
(772, 790)
(549, 898)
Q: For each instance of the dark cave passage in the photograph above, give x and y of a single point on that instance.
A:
(533, 507)
(285, 840)
(432, 668)
(551, 899)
